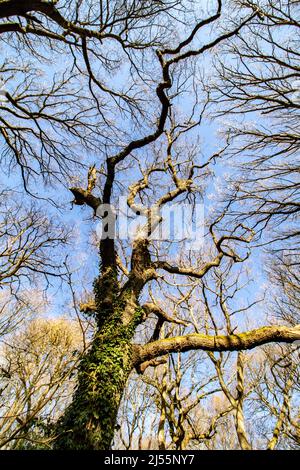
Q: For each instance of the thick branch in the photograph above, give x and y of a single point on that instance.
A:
(82, 196)
(234, 342)
(153, 363)
(189, 271)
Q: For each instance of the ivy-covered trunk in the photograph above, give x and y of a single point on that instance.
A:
(90, 420)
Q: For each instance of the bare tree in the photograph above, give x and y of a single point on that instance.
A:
(30, 243)
(31, 254)
(37, 380)
(274, 398)
(285, 277)
(50, 117)
(136, 417)
(144, 137)
(181, 410)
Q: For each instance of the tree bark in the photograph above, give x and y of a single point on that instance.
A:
(282, 415)
(239, 411)
(90, 420)
(234, 342)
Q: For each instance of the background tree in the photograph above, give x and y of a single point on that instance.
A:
(274, 401)
(37, 380)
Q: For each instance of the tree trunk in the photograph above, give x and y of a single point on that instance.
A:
(90, 420)
(239, 412)
(240, 429)
(282, 415)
